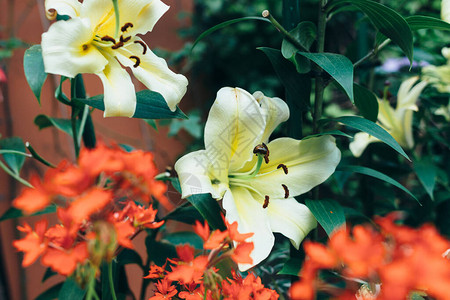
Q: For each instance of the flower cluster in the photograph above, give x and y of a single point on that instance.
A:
(96, 206)
(399, 259)
(197, 277)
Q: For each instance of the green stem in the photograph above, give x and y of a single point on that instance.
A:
(320, 83)
(111, 281)
(371, 54)
(266, 14)
(37, 157)
(91, 294)
(116, 13)
(253, 174)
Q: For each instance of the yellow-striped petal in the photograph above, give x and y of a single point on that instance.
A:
(67, 49)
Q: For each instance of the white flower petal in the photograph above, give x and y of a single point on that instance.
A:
(70, 8)
(192, 170)
(119, 93)
(360, 142)
(275, 111)
(290, 218)
(101, 14)
(445, 10)
(407, 94)
(153, 72)
(234, 127)
(143, 14)
(309, 162)
(242, 207)
(407, 130)
(67, 49)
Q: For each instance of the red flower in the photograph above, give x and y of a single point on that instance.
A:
(33, 244)
(165, 290)
(188, 269)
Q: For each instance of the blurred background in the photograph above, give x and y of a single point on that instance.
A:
(227, 58)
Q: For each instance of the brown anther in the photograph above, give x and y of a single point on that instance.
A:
(285, 169)
(85, 47)
(266, 201)
(125, 27)
(124, 40)
(143, 46)
(286, 191)
(262, 149)
(138, 61)
(107, 38)
(117, 45)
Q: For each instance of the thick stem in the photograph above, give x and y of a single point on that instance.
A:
(320, 83)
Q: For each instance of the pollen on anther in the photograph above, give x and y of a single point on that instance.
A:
(85, 47)
(285, 169)
(266, 201)
(117, 45)
(124, 40)
(125, 27)
(286, 191)
(107, 38)
(138, 61)
(143, 46)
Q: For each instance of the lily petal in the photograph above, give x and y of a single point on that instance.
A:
(153, 72)
(234, 127)
(67, 49)
(119, 93)
(407, 94)
(360, 142)
(274, 110)
(407, 129)
(309, 162)
(192, 170)
(101, 14)
(290, 218)
(143, 14)
(445, 10)
(243, 207)
(70, 8)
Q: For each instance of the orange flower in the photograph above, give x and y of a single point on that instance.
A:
(165, 290)
(33, 244)
(140, 216)
(32, 200)
(193, 292)
(248, 288)
(65, 261)
(156, 272)
(188, 269)
(241, 254)
(202, 230)
(94, 200)
(124, 231)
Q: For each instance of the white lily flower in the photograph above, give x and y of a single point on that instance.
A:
(86, 43)
(439, 76)
(258, 195)
(398, 121)
(445, 10)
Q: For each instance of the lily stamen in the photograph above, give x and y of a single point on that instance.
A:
(252, 174)
(107, 38)
(117, 45)
(126, 26)
(138, 61)
(143, 46)
(266, 201)
(285, 169)
(286, 191)
(262, 149)
(124, 40)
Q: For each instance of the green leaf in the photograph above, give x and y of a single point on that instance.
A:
(291, 267)
(366, 101)
(426, 172)
(337, 66)
(51, 293)
(420, 22)
(185, 214)
(184, 237)
(129, 256)
(328, 213)
(71, 291)
(14, 213)
(332, 132)
(14, 175)
(388, 22)
(192, 125)
(298, 85)
(225, 24)
(206, 205)
(65, 125)
(33, 66)
(372, 129)
(375, 174)
(14, 161)
(48, 273)
(305, 33)
(150, 105)
(159, 252)
(151, 122)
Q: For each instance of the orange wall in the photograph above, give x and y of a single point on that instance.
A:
(25, 18)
